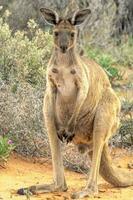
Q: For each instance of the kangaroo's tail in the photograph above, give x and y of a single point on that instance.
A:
(112, 174)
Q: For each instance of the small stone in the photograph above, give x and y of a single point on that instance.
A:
(130, 165)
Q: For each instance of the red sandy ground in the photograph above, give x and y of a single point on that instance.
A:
(21, 172)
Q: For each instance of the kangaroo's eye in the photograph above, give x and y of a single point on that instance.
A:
(54, 70)
(73, 71)
(56, 33)
(72, 34)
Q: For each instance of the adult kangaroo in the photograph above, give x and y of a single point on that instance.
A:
(80, 107)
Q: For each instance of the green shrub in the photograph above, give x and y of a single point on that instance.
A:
(114, 54)
(104, 60)
(124, 53)
(6, 147)
(23, 57)
(107, 63)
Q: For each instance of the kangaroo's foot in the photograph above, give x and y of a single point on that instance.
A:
(46, 188)
(91, 191)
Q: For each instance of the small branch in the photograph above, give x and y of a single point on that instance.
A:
(2, 166)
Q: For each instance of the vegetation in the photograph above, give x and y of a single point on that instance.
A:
(123, 53)
(6, 147)
(126, 132)
(23, 56)
(106, 61)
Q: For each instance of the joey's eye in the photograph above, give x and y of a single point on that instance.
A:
(56, 33)
(72, 34)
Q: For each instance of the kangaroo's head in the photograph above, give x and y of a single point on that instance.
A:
(65, 32)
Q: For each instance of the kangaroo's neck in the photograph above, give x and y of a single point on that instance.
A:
(69, 58)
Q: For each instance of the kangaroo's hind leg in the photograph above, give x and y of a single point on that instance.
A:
(59, 183)
(104, 121)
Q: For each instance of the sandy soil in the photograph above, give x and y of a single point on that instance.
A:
(21, 172)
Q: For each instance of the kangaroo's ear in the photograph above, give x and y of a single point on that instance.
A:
(50, 16)
(80, 16)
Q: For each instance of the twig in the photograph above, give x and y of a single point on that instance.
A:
(2, 166)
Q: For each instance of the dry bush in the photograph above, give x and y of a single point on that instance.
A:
(21, 115)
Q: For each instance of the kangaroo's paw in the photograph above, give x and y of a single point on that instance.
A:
(84, 193)
(65, 136)
(68, 136)
(46, 188)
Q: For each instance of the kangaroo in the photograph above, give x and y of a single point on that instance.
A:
(80, 107)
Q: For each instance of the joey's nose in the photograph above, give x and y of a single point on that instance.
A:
(63, 48)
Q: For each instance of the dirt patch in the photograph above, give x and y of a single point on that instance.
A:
(21, 172)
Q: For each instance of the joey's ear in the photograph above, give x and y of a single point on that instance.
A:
(50, 16)
(80, 16)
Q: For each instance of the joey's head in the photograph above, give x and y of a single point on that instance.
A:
(65, 32)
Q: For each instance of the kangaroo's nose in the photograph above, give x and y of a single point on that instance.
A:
(63, 48)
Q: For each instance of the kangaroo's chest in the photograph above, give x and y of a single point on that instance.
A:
(65, 81)
(63, 110)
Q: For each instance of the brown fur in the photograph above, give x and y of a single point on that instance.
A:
(80, 106)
